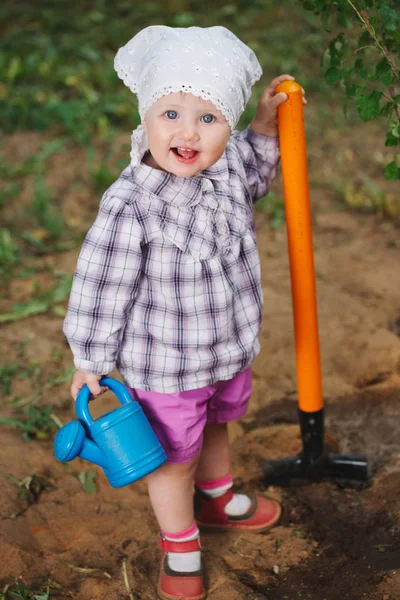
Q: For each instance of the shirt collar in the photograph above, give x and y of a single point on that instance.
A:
(178, 190)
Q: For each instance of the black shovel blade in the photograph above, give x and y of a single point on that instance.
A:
(327, 466)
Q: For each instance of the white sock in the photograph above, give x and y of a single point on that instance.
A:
(185, 562)
(239, 504)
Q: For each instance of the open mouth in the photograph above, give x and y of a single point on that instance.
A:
(185, 155)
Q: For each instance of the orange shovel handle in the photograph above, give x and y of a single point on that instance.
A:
(301, 256)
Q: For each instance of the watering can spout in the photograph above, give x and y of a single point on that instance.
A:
(91, 452)
(71, 441)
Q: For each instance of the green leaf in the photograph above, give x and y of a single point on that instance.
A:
(88, 480)
(59, 311)
(184, 19)
(368, 106)
(325, 17)
(61, 292)
(352, 90)
(392, 171)
(383, 72)
(337, 49)
(386, 109)
(361, 68)
(333, 74)
(392, 140)
(389, 16)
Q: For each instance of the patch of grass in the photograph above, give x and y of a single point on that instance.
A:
(7, 372)
(274, 207)
(20, 590)
(42, 303)
(52, 222)
(49, 223)
(9, 192)
(83, 96)
(30, 487)
(300, 534)
(278, 544)
(35, 423)
(62, 378)
(35, 163)
(87, 478)
(366, 196)
(8, 254)
(102, 174)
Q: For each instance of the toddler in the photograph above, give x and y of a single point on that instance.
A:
(167, 287)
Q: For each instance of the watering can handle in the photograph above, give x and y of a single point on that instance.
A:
(82, 401)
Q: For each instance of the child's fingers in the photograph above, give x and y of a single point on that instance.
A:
(95, 388)
(279, 99)
(75, 389)
(92, 381)
(275, 82)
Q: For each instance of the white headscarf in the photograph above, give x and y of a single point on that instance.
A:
(208, 62)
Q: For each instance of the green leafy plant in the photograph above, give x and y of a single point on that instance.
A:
(43, 212)
(9, 192)
(275, 209)
(64, 377)
(34, 163)
(8, 253)
(42, 303)
(366, 196)
(30, 487)
(7, 372)
(363, 57)
(20, 590)
(102, 175)
(86, 478)
(36, 422)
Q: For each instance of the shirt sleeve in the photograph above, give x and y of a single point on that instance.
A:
(260, 156)
(104, 287)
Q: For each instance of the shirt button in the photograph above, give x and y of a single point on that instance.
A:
(222, 229)
(211, 201)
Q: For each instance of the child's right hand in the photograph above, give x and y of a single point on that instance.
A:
(92, 381)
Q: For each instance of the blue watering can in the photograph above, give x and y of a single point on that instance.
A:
(122, 441)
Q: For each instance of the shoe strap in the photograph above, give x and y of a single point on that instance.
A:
(218, 503)
(171, 546)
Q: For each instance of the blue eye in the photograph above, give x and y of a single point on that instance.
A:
(207, 118)
(171, 114)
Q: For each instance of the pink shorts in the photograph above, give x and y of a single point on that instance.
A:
(178, 419)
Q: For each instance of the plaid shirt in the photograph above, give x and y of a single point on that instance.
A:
(167, 286)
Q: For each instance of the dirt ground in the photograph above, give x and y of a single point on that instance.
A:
(335, 540)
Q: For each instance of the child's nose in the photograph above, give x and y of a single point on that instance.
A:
(190, 133)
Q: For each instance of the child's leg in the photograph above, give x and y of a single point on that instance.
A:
(216, 505)
(213, 473)
(171, 495)
(215, 459)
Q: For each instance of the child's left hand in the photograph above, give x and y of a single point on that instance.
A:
(265, 121)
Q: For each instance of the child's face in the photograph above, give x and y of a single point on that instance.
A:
(186, 134)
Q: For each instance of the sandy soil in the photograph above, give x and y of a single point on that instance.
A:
(335, 540)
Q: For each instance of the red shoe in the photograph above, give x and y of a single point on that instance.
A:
(174, 585)
(210, 514)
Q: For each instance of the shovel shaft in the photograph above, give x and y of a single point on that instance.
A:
(301, 256)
